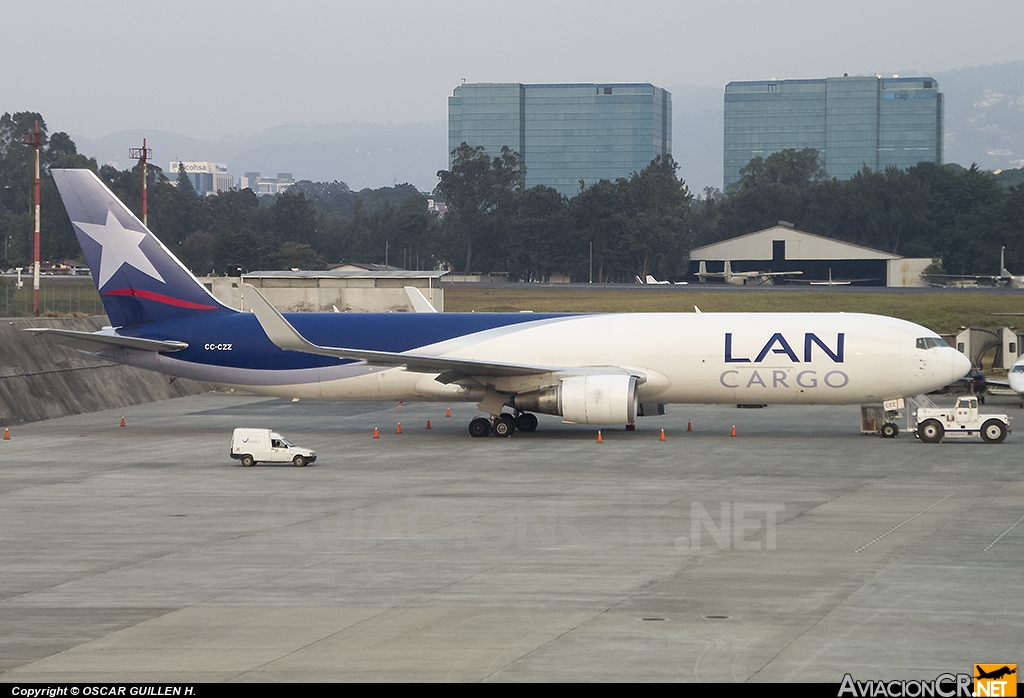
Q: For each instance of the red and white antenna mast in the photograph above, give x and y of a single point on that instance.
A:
(35, 139)
(143, 155)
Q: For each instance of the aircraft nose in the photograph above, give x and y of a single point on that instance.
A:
(961, 365)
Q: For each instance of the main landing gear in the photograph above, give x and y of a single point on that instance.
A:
(504, 424)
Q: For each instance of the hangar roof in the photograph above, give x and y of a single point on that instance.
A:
(799, 245)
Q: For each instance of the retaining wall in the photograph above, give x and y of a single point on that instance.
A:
(42, 380)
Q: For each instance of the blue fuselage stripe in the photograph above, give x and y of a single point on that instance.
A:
(238, 341)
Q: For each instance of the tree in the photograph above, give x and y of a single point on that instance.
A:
(293, 218)
(184, 181)
(599, 212)
(479, 191)
(659, 211)
(769, 190)
(298, 255)
(541, 235)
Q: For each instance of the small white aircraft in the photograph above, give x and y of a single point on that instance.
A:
(741, 278)
(651, 281)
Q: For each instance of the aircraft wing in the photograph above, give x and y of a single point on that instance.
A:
(993, 279)
(285, 336)
(98, 341)
(829, 282)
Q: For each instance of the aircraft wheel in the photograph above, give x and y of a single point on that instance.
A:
(930, 431)
(993, 431)
(526, 422)
(299, 461)
(504, 425)
(479, 427)
(248, 461)
(890, 430)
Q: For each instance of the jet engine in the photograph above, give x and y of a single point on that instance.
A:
(585, 399)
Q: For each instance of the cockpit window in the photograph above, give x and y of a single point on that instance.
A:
(1017, 368)
(930, 342)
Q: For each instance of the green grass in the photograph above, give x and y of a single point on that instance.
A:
(944, 312)
(64, 297)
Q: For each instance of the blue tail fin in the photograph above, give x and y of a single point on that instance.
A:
(139, 280)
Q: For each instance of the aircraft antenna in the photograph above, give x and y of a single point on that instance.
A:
(35, 139)
(143, 155)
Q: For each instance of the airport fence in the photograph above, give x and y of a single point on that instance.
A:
(58, 295)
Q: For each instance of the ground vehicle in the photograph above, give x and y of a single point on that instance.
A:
(253, 446)
(962, 420)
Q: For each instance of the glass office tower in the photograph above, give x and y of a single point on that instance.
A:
(853, 122)
(565, 133)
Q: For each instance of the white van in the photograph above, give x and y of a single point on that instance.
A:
(253, 446)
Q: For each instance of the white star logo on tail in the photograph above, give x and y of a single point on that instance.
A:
(119, 246)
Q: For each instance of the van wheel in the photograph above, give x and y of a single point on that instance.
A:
(993, 431)
(299, 461)
(247, 461)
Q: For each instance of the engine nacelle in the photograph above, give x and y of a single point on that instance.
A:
(586, 400)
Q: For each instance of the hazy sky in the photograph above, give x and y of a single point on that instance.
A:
(214, 68)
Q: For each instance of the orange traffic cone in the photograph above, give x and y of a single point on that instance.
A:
(122, 421)
(428, 424)
(399, 429)
(599, 439)
(7, 434)
(689, 426)
(448, 412)
(376, 434)
(733, 430)
(662, 435)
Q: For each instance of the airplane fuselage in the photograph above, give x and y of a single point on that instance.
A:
(766, 358)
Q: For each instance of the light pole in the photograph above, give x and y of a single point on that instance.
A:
(143, 155)
(35, 139)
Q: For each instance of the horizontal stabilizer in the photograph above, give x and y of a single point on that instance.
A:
(97, 341)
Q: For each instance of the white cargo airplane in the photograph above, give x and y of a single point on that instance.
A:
(740, 278)
(593, 368)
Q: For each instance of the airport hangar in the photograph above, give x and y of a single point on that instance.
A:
(784, 248)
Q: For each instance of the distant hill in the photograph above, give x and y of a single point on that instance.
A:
(984, 123)
(361, 155)
(1011, 178)
(984, 115)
